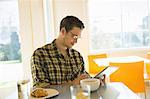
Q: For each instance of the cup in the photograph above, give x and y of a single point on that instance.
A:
(23, 89)
(92, 82)
(78, 92)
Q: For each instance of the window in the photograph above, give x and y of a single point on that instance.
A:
(10, 54)
(118, 24)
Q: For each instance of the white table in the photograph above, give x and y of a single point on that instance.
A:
(114, 90)
(106, 61)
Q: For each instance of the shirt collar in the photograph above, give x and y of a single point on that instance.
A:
(69, 50)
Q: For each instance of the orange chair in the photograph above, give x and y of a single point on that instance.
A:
(147, 75)
(93, 67)
(131, 74)
(148, 68)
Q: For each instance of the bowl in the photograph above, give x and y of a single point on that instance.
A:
(92, 82)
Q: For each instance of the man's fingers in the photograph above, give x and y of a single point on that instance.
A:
(84, 76)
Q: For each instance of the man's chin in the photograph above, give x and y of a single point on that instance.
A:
(70, 46)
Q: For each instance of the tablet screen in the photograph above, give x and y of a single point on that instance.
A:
(107, 71)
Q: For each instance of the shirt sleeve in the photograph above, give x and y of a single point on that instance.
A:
(83, 67)
(82, 63)
(37, 70)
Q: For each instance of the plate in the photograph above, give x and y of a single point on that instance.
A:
(51, 93)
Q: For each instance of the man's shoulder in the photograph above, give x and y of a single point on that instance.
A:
(74, 52)
(44, 49)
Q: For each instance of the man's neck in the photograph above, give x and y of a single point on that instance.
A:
(62, 48)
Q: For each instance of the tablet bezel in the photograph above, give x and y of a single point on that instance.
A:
(99, 74)
(105, 72)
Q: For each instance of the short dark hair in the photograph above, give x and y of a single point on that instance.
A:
(71, 21)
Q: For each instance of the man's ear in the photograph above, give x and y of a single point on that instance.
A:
(63, 31)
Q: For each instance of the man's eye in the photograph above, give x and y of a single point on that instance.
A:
(75, 37)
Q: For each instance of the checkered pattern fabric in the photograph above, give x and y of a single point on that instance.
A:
(48, 65)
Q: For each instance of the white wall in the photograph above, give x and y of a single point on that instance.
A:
(31, 30)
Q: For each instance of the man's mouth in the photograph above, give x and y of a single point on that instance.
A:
(72, 43)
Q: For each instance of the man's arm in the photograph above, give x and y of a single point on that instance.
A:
(37, 71)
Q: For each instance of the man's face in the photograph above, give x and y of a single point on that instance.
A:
(71, 37)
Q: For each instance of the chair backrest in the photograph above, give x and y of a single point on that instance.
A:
(148, 68)
(148, 64)
(131, 74)
(93, 67)
(147, 71)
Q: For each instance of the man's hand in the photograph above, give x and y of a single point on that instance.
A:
(80, 77)
(102, 80)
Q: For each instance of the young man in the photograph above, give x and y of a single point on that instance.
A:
(57, 62)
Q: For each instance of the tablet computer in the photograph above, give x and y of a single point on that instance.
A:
(108, 70)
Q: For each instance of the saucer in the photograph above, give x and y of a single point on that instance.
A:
(51, 93)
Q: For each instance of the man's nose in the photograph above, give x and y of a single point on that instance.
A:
(75, 40)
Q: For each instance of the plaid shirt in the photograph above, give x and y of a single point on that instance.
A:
(48, 65)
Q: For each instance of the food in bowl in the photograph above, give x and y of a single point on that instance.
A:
(92, 82)
(39, 92)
